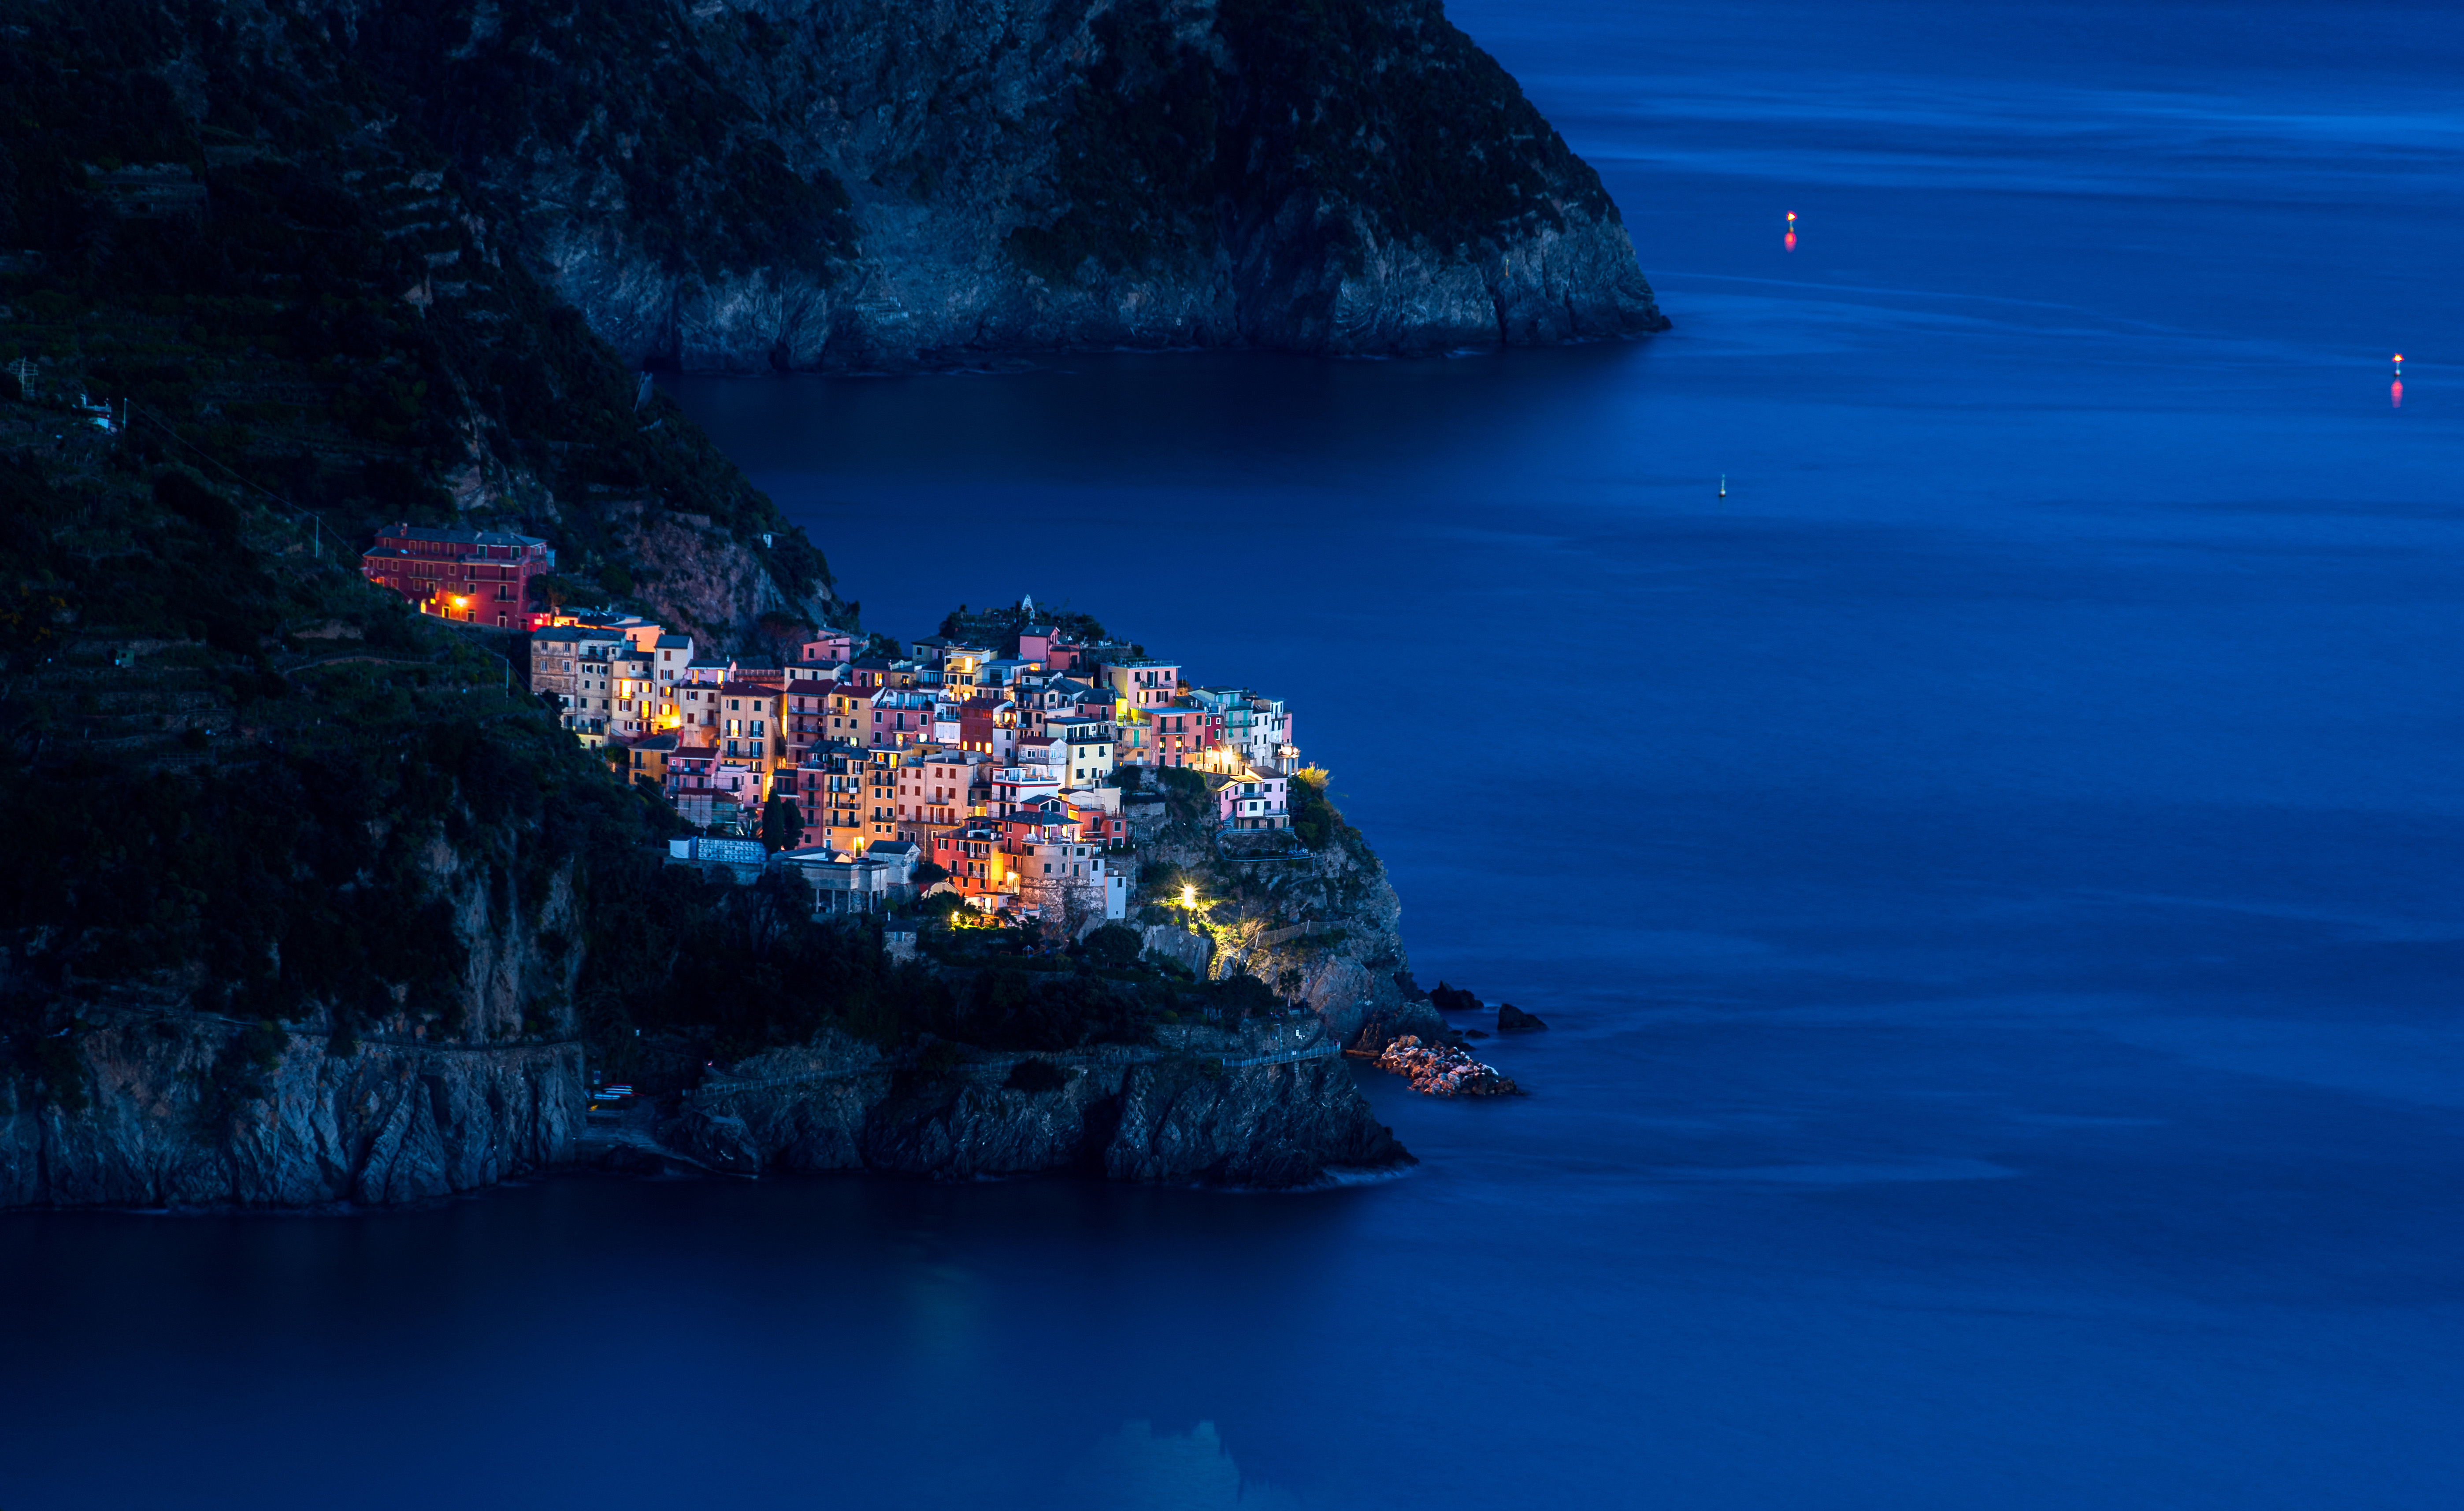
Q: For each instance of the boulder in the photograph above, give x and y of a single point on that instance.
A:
(1453, 999)
(1513, 1019)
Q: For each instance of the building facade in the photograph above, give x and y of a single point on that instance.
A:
(477, 577)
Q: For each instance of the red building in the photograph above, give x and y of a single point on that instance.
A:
(480, 576)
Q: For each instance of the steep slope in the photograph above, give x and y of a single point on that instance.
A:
(211, 213)
(1309, 911)
(909, 185)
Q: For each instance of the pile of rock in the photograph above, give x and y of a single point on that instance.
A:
(1441, 1071)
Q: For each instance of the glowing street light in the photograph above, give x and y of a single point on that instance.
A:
(1188, 896)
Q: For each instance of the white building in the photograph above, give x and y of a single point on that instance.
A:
(1070, 882)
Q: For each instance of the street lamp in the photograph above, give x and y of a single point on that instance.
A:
(1188, 896)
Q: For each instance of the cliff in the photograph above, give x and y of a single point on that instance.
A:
(168, 1119)
(1309, 911)
(1185, 1109)
(746, 185)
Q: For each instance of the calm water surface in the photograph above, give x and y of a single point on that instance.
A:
(1994, 878)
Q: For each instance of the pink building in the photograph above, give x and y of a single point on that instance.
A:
(831, 646)
(1181, 734)
(900, 718)
(804, 718)
(1144, 683)
(1253, 801)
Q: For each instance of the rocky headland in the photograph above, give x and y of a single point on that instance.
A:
(747, 184)
(312, 904)
(1269, 1107)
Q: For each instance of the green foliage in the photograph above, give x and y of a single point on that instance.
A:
(1167, 155)
(941, 905)
(310, 858)
(265, 333)
(239, 1076)
(783, 825)
(1169, 968)
(1185, 796)
(1315, 822)
(1242, 996)
(998, 627)
(740, 969)
(1005, 1007)
(1115, 946)
(623, 88)
(43, 1060)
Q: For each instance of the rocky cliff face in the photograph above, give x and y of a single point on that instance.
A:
(148, 1100)
(849, 183)
(160, 1123)
(1175, 1112)
(1322, 929)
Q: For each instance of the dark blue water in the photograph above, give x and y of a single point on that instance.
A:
(1994, 878)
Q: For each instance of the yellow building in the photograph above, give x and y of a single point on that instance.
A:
(649, 759)
(746, 727)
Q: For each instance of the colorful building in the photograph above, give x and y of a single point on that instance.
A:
(1143, 684)
(478, 577)
(1254, 801)
(827, 648)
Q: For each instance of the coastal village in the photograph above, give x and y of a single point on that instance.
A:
(989, 763)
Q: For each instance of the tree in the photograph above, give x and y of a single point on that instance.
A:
(1116, 946)
(783, 825)
(1314, 822)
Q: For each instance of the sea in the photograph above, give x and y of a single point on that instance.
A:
(1994, 876)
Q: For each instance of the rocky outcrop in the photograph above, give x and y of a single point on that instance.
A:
(1443, 1070)
(1513, 1019)
(1185, 1111)
(701, 579)
(1322, 929)
(750, 184)
(141, 1094)
(166, 1119)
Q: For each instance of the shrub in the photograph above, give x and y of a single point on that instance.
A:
(783, 823)
(1115, 946)
(1237, 997)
